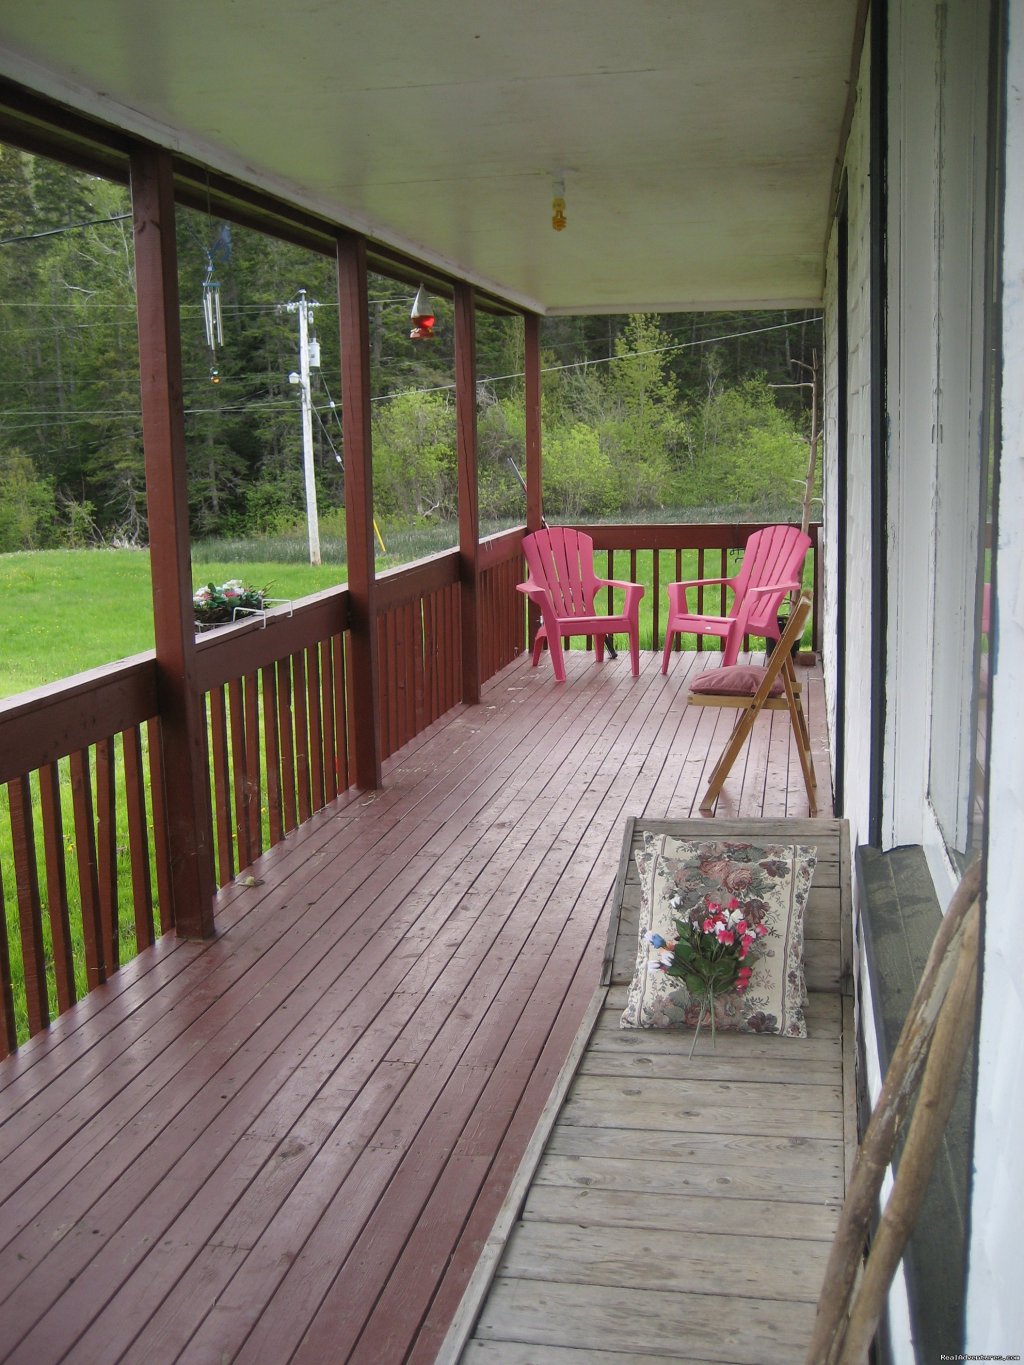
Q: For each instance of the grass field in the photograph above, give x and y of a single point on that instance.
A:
(68, 610)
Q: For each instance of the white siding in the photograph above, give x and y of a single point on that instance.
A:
(935, 189)
(857, 718)
(995, 1303)
(856, 721)
(912, 401)
(830, 493)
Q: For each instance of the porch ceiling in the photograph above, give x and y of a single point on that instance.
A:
(698, 140)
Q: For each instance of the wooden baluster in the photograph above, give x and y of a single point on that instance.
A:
(57, 886)
(161, 844)
(316, 731)
(301, 736)
(218, 724)
(138, 840)
(30, 913)
(106, 850)
(88, 881)
(656, 640)
(271, 740)
(396, 642)
(253, 760)
(284, 713)
(677, 577)
(239, 774)
(8, 1029)
(386, 647)
(430, 655)
(341, 711)
(411, 638)
(330, 734)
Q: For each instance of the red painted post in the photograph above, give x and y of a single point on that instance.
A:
(186, 785)
(534, 463)
(534, 494)
(469, 510)
(364, 722)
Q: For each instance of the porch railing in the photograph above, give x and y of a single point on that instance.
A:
(85, 867)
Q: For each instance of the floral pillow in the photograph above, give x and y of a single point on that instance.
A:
(771, 883)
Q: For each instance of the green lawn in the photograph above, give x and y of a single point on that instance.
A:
(68, 610)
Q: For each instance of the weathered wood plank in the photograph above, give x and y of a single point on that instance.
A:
(621, 1052)
(519, 1353)
(684, 1213)
(822, 1158)
(660, 1259)
(593, 1317)
(695, 1170)
(782, 1092)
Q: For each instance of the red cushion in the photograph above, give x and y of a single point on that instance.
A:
(741, 680)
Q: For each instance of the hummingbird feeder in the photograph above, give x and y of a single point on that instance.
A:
(422, 316)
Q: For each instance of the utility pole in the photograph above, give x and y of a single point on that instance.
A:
(304, 307)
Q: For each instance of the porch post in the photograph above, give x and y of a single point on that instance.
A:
(534, 463)
(469, 511)
(534, 496)
(183, 740)
(364, 729)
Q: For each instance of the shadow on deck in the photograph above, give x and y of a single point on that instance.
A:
(291, 1143)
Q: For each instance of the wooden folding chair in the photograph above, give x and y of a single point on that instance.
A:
(753, 689)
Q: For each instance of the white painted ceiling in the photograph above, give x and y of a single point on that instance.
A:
(698, 138)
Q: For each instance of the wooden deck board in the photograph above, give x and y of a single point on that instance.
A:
(290, 1143)
(670, 1183)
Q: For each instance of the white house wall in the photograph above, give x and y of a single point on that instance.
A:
(995, 1303)
(856, 717)
(911, 361)
(936, 164)
(855, 721)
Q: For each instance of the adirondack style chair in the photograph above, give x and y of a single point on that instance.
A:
(563, 586)
(772, 558)
(751, 690)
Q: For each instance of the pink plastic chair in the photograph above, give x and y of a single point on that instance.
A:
(563, 586)
(772, 560)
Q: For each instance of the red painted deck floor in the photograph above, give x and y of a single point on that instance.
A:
(290, 1143)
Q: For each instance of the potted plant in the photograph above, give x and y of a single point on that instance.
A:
(214, 605)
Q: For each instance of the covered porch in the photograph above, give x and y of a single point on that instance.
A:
(291, 1142)
(369, 887)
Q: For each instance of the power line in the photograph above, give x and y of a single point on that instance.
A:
(69, 227)
(435, 388)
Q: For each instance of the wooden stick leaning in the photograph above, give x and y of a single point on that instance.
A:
(876, 1148)
(950, 1042)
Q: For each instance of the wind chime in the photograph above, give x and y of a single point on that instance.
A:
(213, 323)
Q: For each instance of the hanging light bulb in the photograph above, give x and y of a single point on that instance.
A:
(558, 219)
(422, 316)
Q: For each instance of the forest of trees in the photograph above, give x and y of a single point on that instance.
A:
(644, 417)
